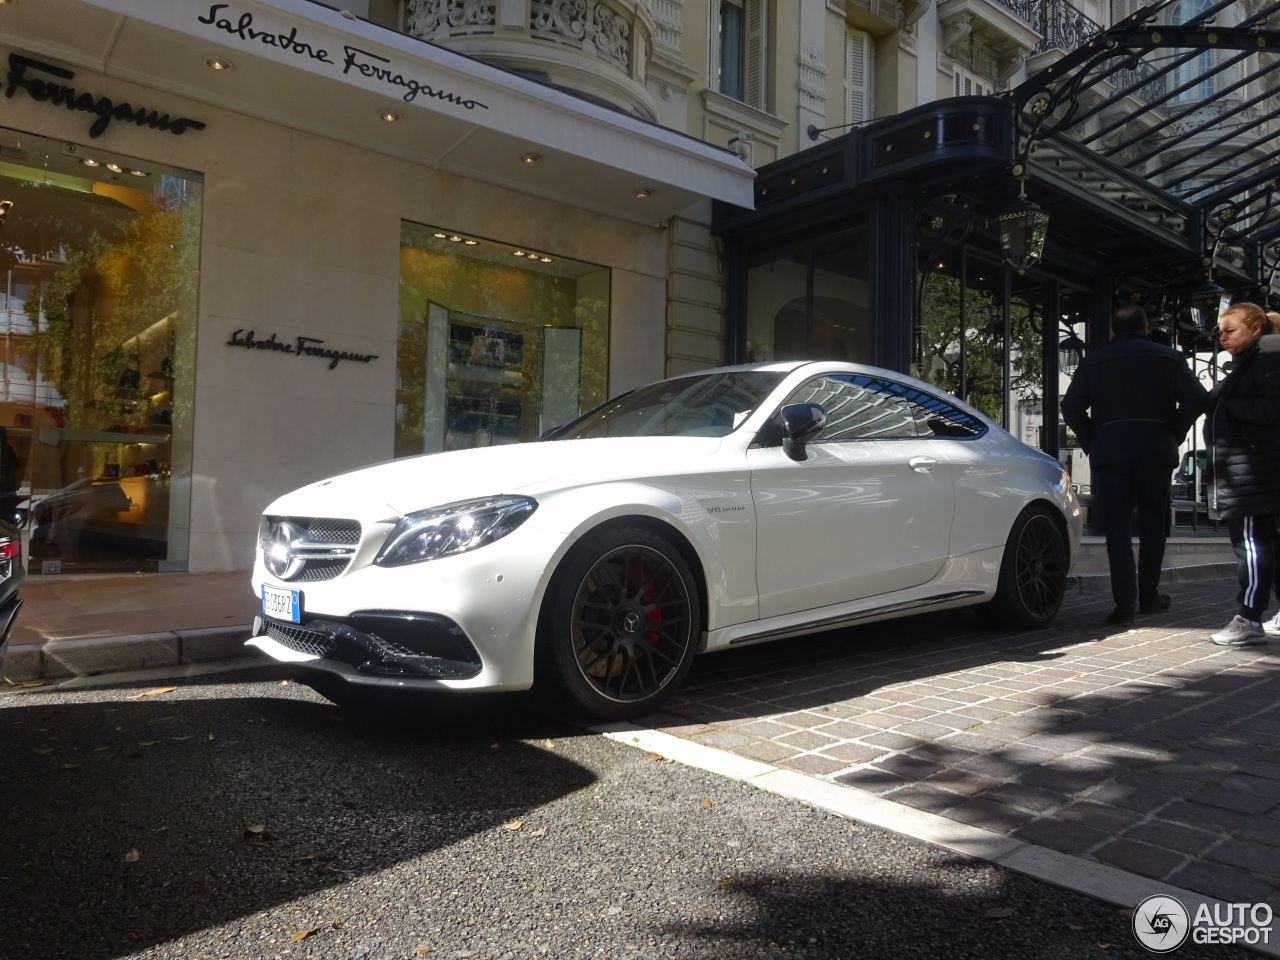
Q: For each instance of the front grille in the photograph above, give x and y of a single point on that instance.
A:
(314, 570)
(327, 530)
(322, 547)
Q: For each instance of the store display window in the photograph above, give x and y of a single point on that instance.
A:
(498, 343)
(99, 260)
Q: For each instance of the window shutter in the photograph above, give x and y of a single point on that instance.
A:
(756, 67)
(857, 76)
(1120, 9)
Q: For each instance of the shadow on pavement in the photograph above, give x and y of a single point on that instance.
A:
(137, 821)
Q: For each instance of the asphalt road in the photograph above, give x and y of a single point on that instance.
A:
(239, 816)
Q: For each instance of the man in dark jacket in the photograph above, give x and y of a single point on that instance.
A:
(1131, 404)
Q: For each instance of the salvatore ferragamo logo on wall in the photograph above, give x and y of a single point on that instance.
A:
(354, 60)
(63, 96)
(300, 347)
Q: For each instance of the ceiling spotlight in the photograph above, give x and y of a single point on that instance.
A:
(217, 63)
(642, 193)
(90, 162)
(140, 173)
(440, 236)
(517, 253)
(545, 259)
(389, 115)
(472, 243)
(115, 167)
(532, 256)
(529, 159)
(455, 239)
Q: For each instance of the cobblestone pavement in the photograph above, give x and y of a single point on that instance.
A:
(1148, 749)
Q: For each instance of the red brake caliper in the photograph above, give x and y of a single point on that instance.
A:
(646, 596)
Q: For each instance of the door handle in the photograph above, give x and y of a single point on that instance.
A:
(922, 464)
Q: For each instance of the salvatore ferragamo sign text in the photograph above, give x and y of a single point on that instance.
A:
(298, 347)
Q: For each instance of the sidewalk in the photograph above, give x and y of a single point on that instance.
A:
(79, 626)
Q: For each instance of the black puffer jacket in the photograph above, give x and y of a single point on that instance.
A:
(1242, 432)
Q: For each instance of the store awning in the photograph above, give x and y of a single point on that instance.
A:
(309, 67)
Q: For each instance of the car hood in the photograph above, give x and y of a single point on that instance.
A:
(384, 490)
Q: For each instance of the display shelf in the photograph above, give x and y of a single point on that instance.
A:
(52, 436)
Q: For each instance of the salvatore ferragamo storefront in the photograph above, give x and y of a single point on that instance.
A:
(245, 246)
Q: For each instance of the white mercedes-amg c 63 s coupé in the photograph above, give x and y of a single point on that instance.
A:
(700, 513)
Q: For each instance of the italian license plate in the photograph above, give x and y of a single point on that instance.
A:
(281, 604)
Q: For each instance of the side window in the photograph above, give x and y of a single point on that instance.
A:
(864, 407)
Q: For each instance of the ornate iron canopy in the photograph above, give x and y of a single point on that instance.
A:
(1173, 114)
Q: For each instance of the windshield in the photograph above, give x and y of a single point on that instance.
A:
(705, 405)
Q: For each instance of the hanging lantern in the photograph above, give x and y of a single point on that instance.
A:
(1203, 303)
(1070, 350)
(1023, 227)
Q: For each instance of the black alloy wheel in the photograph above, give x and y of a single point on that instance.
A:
(624, 623)
(1033, 573)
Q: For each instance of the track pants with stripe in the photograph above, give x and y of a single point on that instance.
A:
(1256, 543)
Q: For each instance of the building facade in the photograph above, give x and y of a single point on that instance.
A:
(248, 245)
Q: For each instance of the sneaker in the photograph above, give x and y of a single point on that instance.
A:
(1239, 633)
(1272, 627)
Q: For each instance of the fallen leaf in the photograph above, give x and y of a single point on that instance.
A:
(24, 684)
(70, 766)
(133, 856)
(187, 737)
(706, 803)
(549, 744)
(151, 693)
(162, 829)
(147, 743)
(1075, 926)
(211, 736)
(1104, 946)
(654, 756)
(303, 934)
(515, 824)
(540, 832)
(997, 913)
(336, 925)
(1126, 912)
(43, 751)
(422, 951)
(724, 883)
(102, 748)
(826, 709)
(284, 683)
(258, 831)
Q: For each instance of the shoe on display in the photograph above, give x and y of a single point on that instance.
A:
(1120, 616)
(1160, 604)
(1239, 633)
(1272, 627)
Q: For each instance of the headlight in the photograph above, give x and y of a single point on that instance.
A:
(443, 531)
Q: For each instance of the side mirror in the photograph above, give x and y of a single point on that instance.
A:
(801, 422)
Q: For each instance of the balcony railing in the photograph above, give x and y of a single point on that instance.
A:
(1065, 28)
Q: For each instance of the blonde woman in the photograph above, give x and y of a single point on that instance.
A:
(1242, 433)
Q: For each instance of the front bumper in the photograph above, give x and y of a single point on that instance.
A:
(373, 646)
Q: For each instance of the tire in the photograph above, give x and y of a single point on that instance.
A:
(1033, 574)
(620, 625)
